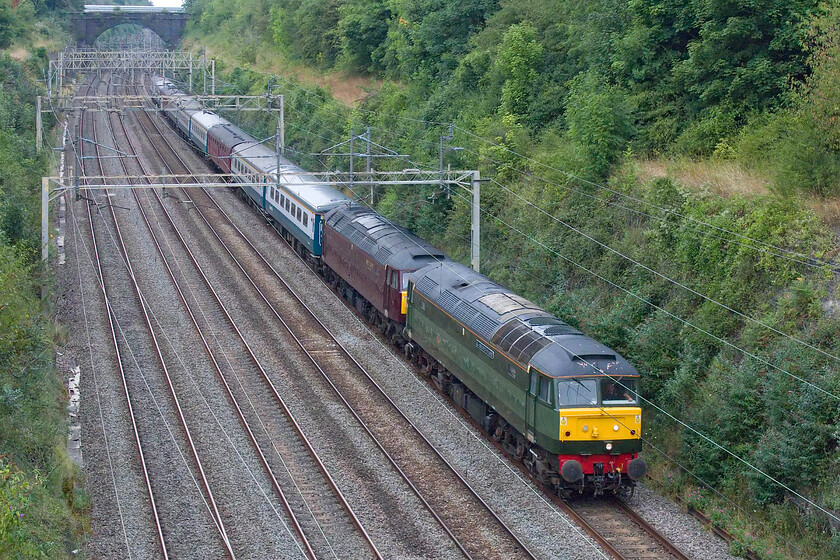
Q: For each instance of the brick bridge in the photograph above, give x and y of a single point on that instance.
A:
(169, 25)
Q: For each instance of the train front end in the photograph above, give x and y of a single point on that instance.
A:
(600, 428)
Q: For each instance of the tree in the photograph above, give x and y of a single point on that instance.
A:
(363, 27)
(519, 58)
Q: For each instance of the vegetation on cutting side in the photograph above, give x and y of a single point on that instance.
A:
(585, 116)
(37, 497)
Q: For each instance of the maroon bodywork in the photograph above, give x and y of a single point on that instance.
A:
(222, 140)
(370, 258)
(363, 273)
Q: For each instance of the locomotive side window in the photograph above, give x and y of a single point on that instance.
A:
(577, 392)
(618, 391)
(545, 389)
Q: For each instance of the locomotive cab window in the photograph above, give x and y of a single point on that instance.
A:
(577, 392)
(618, 391)
(394, 277)
(546, 386)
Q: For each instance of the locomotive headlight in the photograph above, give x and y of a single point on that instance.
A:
(562, 420)
(615, 427)
(585, 428)
(638, 419)
(609, 447)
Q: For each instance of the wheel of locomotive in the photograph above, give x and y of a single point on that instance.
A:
(410, 354)
(426, 364)
(520, 449)
(626, 492)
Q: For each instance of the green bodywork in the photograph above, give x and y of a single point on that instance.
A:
(499, 381)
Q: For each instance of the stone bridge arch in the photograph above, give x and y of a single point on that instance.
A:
(168, 25)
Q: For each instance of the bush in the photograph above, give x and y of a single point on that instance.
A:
(600, 122)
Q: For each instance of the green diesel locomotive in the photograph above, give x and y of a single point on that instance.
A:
(559, 401)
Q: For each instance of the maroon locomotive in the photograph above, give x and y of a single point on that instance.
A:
(368, 259)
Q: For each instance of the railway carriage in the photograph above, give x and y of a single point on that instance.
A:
(181, 111)
(561, 402)
(163, 87)
(298, 205)
(199, 126)
(224, 139)
(250, 164)
(369, 260)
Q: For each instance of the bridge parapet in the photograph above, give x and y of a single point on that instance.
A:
(169, 26)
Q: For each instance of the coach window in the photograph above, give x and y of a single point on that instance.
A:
(282, 200)
(305, 220)
(287, 205)
(298, 214)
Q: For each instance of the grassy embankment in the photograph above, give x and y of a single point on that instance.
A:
(41, 512)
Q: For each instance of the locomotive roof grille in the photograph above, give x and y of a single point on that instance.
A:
(382, 254)
(520, 329)
(426, 285)
(387, 243)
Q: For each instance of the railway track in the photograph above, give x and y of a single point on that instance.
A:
(129, 321)
(316, 361)
(610, 522)
(439, 486)
(296, 471)
(620, 530)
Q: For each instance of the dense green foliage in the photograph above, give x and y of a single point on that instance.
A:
(553, 101)
(35, 478)
(687, 75)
